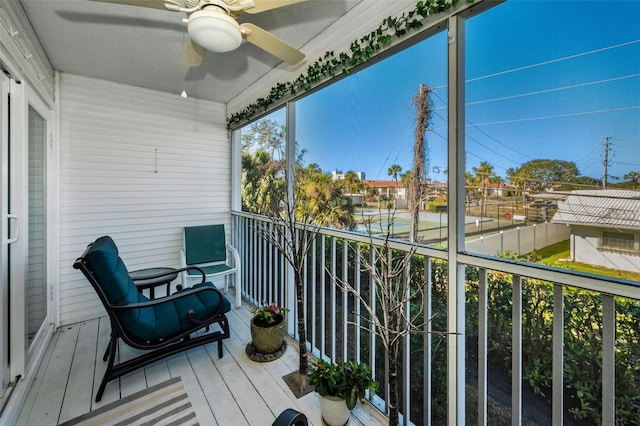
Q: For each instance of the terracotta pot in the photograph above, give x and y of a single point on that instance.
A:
(267, 339)
(334, 411)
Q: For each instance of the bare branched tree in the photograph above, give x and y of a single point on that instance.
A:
(390, 317)
(292, 233)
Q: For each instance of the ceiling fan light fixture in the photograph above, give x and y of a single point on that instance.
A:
(214, 30)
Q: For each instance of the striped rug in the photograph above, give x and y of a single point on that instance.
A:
(164, 404)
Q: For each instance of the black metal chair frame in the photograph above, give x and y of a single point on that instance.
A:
(291, 417)
(159, 349)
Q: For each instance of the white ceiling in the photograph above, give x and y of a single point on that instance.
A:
(142, 46)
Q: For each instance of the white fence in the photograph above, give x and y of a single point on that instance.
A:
(520, 240)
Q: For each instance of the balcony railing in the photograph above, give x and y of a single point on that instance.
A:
(527, 319)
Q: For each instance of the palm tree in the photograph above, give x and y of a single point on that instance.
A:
(483, 176)
(352, 182)
(468, 182)
(394, 171)
(323, 200)
(262, 182)
(405, 179)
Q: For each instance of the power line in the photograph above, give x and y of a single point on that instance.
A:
(546, 117)
(577, 55)
(555, 89)
(591, 155)
(491, 150)
(498, 142)
(486, 134)
(629, 164)
(484, 159)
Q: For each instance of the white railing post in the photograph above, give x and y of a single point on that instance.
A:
(345, 302)
(406, 353)
(305, 286)
(482, 346)
(373, 304)
(313, 335)
(428, 351)
(333, 299)
(608, 360)
(356, 301)
(558, 355)
(516, 352)
(254, 255)
(323, 297)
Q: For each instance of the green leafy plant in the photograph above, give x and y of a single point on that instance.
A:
(348, 380)
(582, 342)
(268, 314)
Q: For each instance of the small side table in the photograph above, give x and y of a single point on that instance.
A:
(151, 278)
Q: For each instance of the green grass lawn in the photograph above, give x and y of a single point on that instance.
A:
(555, 254)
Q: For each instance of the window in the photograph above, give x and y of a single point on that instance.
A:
(618, 241)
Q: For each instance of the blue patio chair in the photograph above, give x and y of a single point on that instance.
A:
(162, 326)
(206, 247)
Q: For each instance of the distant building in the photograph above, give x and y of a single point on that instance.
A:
(545, 205)
(605, 227)
(355, 199)
(337, 175)
(388, 189)
(393, 190)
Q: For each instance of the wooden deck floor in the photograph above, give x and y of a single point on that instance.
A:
(227, 391)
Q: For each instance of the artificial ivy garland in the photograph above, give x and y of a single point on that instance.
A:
(329, 65)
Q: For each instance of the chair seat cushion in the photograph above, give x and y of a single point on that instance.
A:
(172, 318)
(210, 270)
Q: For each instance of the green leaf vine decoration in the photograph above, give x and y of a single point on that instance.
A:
(360, 51)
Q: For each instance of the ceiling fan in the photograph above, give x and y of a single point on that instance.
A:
(212, 26)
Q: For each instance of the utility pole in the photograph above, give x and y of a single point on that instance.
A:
(418, 174)
(606, 161)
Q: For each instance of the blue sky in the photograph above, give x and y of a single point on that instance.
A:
(545, 79)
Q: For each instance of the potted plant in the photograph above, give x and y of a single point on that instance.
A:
(340, 386)
(268, 329)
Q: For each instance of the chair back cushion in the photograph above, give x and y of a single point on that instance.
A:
(205, 244)
(113, 279)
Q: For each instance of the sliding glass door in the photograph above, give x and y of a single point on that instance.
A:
(5, 335)
(36, 279)
(25, 296)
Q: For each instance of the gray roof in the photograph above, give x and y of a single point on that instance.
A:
(609, 208)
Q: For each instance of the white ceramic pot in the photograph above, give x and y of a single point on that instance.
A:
(334, 411)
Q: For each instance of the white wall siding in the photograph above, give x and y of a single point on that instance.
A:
(587, 249)
(137, 165)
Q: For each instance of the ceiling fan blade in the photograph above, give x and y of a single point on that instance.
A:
(270, 43)
(154, 4)
(264, 5)
(192, 55)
